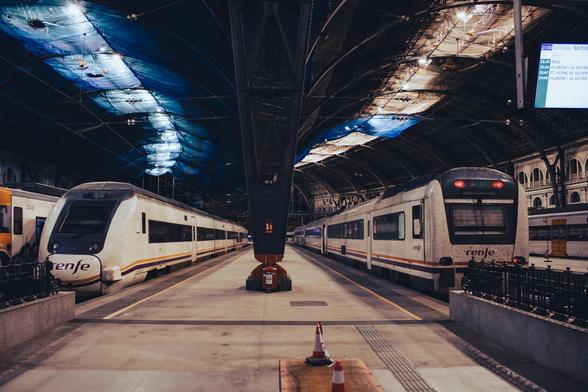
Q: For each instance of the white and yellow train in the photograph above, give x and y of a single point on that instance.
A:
(22, 217)
(426, 231)
(559, 232)
(106, 235)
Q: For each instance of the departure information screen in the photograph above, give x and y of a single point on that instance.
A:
(562, 81)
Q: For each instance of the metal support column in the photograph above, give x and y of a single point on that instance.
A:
(519, 53)
(270, 43)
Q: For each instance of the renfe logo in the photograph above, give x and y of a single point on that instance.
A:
(75, 267)
(480, 252)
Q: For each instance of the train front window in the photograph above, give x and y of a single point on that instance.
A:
(87, 217)
(4, 220)
(481, 224)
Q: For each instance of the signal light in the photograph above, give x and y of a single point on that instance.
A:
(497, 184)
(459, 184)
(519, 260)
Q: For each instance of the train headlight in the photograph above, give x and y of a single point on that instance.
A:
(55, 246)
(519, 260)
(446, 261)
(94, 247)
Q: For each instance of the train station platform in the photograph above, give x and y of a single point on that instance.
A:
(560, 263)
(199, 330)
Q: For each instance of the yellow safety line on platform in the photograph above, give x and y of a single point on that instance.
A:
(386, 300)
(164, 290)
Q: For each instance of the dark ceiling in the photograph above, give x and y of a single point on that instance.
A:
(181, 52)
(468, 126)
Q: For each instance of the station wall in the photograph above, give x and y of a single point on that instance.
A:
(16, 169)
(532, 173)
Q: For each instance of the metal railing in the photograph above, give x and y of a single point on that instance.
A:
(25, 281)
(561, 295)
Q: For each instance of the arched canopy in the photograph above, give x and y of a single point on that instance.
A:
(394, 89)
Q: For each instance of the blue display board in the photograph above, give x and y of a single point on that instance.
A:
(562, 80)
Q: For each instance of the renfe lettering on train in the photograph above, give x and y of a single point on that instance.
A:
(75, 267)
(480, 252)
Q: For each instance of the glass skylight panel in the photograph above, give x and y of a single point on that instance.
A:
(163, 148)
(80, 53)
(169, 137)
(51, 28)
(475, 32)
(157, 171)
(164, 163)
(95, 72)
(127, 101)
(329, 149)
(313, 158)
(161, 121)
(353, 139)
(162, 157)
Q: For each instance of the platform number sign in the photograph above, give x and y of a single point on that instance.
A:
(269, 227)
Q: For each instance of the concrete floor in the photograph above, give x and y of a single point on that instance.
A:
(206, 333)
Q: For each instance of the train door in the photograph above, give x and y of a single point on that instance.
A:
(194, 224)
(558, 238)
(368, 238)
(19, 237)
(324, 240)
(418, 245)
(5, 225)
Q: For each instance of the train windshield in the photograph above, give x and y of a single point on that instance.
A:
(4, 220)
(87, 217)
(481, 224)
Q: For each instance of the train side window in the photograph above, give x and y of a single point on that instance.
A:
(162, 232)
(578, 232)
(369, 231)
(4, 219)
(143, 223)
(349, 230)
(417, 214)
(389, 227)
(205, 234)
(17, 220)
(539, 233)
(39, 224)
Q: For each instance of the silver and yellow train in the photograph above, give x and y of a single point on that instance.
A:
(106, 235)
(22, 217)
(426, 231)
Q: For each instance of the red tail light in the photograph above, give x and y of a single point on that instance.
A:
(519, 260)
(497, 184)
(459, 184)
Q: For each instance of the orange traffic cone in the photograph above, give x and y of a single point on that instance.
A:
(320, 355)
(338, 383)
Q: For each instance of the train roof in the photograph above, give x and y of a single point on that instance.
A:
(466, 173)
(408, 186)
(126, 187)
(41, 189)
(317, 222)
(30, 195)
(569, 208)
